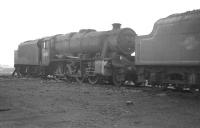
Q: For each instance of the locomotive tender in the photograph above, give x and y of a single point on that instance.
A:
(170, 54)
(84, 55)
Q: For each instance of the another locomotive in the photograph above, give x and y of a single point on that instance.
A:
(170, 55)
(85, 55)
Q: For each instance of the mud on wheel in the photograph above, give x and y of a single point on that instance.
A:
(93, 79)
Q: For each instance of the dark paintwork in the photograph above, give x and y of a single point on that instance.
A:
(175, 40)
(27, 53)
(85, 41)
(90, 41)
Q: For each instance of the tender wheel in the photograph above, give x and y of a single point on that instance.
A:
(93, 79)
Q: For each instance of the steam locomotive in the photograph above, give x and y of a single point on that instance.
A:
(168, 56)
(86, 55)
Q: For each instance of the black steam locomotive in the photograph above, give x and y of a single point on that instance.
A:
(85, 55)
(169, 55)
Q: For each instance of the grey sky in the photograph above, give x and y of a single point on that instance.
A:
(23, 20)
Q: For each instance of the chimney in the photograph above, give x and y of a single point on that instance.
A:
(116, 26)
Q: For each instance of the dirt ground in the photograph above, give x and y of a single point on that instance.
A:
(32, 103)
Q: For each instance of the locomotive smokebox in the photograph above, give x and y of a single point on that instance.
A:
(116, 26)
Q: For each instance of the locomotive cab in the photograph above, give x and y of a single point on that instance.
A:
(44, 46)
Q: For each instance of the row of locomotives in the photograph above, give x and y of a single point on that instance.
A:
(170, 55)
(85, 56)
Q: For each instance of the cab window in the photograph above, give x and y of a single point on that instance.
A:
(45, 45)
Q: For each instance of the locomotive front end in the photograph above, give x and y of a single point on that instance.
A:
(122, 40)
(122, 45)
(126, 41)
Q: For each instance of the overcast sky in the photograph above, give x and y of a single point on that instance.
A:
(23, 20)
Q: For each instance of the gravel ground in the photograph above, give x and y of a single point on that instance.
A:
(33, 103)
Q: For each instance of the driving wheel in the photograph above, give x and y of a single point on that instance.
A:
(93, 79)
(117, 78)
